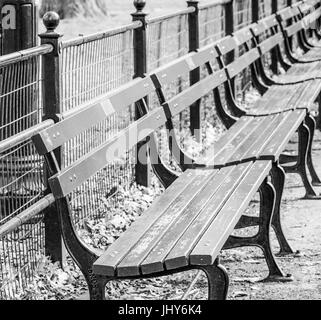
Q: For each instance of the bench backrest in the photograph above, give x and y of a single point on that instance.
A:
(166, 75)
(269, 28)
(66, 180)
(298, 18)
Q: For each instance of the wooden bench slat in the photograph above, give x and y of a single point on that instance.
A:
(281, 137)
(310, 19)
(243, 35)
(243, 62)
(75, 175)
(192, 94)
(228, 179)
(205, 54)
(222, 156)
(266, 133)
(313, 56)
(98, 110)
(58, 134)
(270, 43)
(280, 98)
(130, 265)
(207, 249)
(171, 72)
(126, 95)
(241, 152)
(155, 261)
(294, 28)
(304, 68)
(107, 263)
(228, 136)
(265, 24)
(286, 13)
(310, 95)
(226, 45)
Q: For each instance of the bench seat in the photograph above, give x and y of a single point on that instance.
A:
(302, 70)
(286, 97)
(312, 56)
(188, 225)
(252, 138)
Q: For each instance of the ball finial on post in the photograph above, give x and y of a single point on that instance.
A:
(139, 5)
(51, 21)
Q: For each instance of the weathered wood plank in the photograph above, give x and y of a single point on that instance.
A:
(226, 138)
(107, 263)
(187, 97)
(242, 63)
(91, 114)
(241, 152)
(281, 137)
(211, 243)
(229, 179)
(155, 260)
(266, 133)
(222, 156)
(73, 176)
(130, 265)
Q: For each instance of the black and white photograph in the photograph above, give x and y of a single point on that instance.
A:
(157, 154)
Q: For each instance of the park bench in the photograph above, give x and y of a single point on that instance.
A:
(289, 112)
(303, 19)
(186, 227)
(298, 88)
(294, 25)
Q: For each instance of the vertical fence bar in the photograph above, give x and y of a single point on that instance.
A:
(195, 75)
(51, 110)
(274, 55)
(255, 10)
(289, 4)
(143, 168)
(229, 29)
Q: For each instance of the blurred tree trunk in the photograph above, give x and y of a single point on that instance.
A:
(71, 8)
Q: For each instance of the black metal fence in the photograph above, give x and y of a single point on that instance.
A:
(89, 66)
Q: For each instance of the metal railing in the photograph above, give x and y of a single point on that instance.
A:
(58, 78)
(22, 183)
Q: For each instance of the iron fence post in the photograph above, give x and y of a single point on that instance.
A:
(275, 58)
(51, 110)
(143, 167)
(195, 75)
(229, 29)
(255, 11)
(289, 3)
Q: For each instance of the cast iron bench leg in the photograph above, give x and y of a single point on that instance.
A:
(97, 289)
(217, 276)
(218, 281)
(278, 177)
(311, 123)
(262, 239)
(268, 199)
(302, 165)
